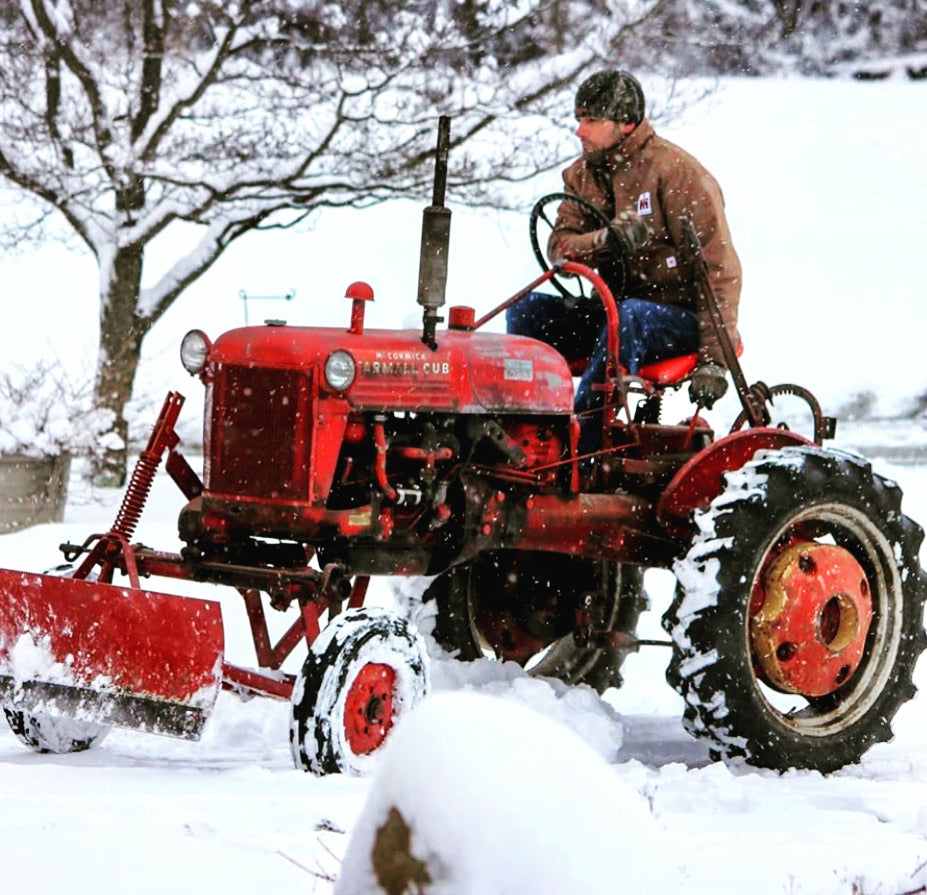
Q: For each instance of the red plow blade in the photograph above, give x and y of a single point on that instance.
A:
(113, 655)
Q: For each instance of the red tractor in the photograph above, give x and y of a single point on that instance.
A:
(336, 454)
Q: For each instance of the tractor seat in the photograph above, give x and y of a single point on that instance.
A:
(669, 371)
(673, 370)
(662, 372)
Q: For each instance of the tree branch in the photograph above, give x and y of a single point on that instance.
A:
(153, 59)
(65, 51)
(163, 127)
(14, 174)
(156, 300)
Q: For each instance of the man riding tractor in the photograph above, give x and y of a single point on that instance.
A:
(647, 192)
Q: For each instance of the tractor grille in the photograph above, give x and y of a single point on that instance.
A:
(260, 433)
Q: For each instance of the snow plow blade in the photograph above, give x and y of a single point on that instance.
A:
(112, 655)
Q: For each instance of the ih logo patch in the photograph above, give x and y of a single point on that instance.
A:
(644, 205)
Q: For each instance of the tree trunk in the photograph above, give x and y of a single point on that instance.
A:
(121, 335)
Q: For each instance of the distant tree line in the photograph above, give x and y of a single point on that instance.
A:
(865, 38)
(707, 37)
(862, 38)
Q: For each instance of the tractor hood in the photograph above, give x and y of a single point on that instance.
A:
(468, 372)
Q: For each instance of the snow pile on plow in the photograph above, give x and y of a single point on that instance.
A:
(103, 654)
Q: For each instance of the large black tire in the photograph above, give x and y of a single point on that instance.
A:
(58, 735)
(521, 607)
(365, 670)
(773, 514)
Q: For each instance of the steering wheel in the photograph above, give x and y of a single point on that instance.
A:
(613, 270)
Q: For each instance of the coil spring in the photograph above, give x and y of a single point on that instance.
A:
(136, 494)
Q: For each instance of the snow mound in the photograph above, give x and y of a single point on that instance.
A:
(578, 706)
(476, 794)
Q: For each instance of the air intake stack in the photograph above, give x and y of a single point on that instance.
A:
(436, 236)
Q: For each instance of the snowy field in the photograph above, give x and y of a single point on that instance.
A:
(560, 791)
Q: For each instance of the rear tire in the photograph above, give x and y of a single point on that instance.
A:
(783, 510)
(365, 671)
(521, 607)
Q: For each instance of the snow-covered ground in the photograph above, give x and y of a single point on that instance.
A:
(560, 792)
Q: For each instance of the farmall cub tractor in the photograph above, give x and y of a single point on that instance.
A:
(335, 454)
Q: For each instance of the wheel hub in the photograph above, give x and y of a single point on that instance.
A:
(811, 613)
(368, 714)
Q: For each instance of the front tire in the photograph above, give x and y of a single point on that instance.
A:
(365, 671)
(798, 618)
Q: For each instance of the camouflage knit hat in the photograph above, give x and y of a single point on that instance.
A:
(613, 95)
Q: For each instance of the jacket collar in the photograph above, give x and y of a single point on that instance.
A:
(630, 146)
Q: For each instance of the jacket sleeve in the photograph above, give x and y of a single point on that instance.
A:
(576, 236)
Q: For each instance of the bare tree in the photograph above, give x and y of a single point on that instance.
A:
(126, 118)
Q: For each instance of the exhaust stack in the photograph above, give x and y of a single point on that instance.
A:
(436, 235)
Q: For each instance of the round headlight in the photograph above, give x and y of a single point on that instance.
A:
(194, 348)
(340, 370)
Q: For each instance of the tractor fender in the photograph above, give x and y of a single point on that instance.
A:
(701, 478)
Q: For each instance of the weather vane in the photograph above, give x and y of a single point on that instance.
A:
(289, 296)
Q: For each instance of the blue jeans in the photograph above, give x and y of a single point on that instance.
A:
(647, 332)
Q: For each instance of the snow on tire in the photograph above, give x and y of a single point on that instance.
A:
(60, 735)
(365, 671)
(798, 615)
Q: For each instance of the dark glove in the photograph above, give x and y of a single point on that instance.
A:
(631, 231)
(708, 384)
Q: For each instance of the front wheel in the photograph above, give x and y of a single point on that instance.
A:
(365, 671)
(798, 618)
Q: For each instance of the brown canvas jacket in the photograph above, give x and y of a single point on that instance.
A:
(662, 183)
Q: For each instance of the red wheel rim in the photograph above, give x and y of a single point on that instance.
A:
(368, 710)
(811, 614)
